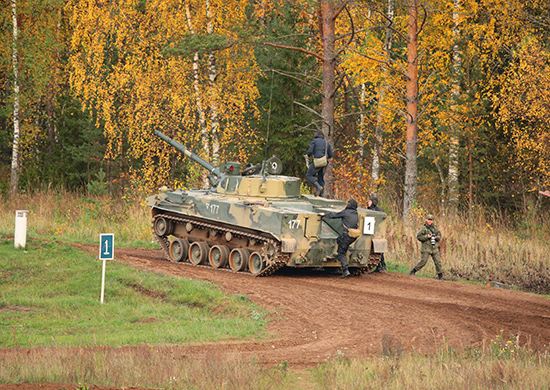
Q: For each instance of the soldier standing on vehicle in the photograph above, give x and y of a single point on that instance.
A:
(350, 232)
(372, 204)
(321, 152)
(429, 235)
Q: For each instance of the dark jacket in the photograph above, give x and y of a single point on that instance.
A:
(374, 205)
(349, 216)
(317, 148)
(422, 236)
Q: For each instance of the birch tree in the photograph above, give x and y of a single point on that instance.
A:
(32, 69)
(411, 176)
(14, 182)
(210, 141)
(454, 125)
(438, 75)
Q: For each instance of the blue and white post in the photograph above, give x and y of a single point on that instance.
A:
(106, 252)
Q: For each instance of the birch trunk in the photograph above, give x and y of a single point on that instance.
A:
(214, 109)
(198, 99)
(411, 175)
(455, 126)
(362, 132)
(14, 180)
(53, 87)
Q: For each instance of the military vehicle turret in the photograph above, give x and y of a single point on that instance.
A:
(257, 221)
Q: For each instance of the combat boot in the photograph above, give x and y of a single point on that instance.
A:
(440, 275)
(381, 267)
(319, 190)
(413, 272)
(345, 274)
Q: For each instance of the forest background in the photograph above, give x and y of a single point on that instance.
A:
(436, 105)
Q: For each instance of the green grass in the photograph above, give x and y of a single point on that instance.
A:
(50, 296)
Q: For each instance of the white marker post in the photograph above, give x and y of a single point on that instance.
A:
(106, 252)
(20, 237)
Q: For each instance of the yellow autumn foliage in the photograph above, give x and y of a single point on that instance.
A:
(122, 67)
(524, 111)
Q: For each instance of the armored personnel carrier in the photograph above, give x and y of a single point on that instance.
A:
(256, 221)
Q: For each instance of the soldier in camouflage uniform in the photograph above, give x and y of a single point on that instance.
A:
(429, 235)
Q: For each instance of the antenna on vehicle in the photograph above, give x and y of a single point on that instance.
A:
(269, 113)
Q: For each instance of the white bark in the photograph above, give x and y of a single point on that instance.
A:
(455, 127)
(198, 100)
(14, 182)
(411, 172)
(362, 125)
(212, 75)
(196, 82)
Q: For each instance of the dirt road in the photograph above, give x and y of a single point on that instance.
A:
(317, 315)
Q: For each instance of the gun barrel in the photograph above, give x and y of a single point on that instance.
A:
(212, 169)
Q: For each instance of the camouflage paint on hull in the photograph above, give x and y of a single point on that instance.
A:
(257, 222)
(283, 232)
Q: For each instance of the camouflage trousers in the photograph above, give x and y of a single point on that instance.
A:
(424, 259)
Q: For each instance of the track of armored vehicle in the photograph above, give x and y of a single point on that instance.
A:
(209, 245)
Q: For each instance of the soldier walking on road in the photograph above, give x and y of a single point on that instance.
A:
(429, 235)
(318, 148)
(350, 220)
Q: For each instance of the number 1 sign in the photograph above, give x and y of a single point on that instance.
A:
(106, 252)
(106, 246)
(368, 227)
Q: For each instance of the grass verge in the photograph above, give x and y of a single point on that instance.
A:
(153, 367)
(49, 297)
(503, 364)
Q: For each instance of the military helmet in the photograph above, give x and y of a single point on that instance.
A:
(430, 216)
(352, 204)
(374, 200)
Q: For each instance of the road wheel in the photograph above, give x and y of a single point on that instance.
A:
(162, 227)
(238, 259)
(198, 252)
(179, 249)
(256, 263)
(218, 256)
